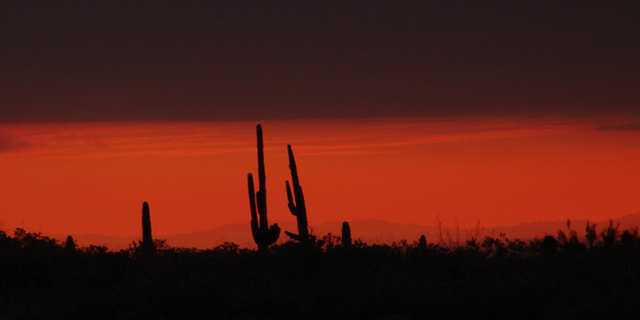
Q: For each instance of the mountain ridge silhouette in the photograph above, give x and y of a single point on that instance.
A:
(371, 231)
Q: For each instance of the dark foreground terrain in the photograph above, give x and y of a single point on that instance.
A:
(551, 278)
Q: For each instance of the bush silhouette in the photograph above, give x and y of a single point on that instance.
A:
(502, 278)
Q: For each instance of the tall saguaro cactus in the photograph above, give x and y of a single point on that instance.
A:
(346, 235)
(298, 208)
(148, 247)
(263, 235)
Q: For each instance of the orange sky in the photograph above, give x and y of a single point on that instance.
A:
(77, 178)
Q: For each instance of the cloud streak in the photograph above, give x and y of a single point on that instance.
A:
(10, 143)
(310, 137)
(97, 140)
(401, 135)
(635, 126)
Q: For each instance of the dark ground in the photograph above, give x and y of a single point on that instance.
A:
(495, 278)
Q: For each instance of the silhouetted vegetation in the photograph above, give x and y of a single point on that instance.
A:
(70, 245)
(263, 235)
(148, 246)
(555, 277)
(346, 235)
(297, 208)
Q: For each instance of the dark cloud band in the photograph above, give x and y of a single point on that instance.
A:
(623, 127)
(251, 60)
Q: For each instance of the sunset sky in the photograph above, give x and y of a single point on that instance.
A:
(499, 111)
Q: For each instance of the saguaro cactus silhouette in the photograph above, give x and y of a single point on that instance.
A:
(298, 208)
(422, 243)
(70, 245)
(263, 235)
(148, 247)
(346, 235)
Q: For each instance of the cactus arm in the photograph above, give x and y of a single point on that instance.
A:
(292, 206)
(274, 234)
(262, 210)
(255, 229)
(293, 236)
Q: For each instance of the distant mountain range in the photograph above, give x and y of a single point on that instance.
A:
(370, 231)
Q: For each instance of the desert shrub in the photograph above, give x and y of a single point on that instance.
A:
(591, 235)
(499, 277)
(609, 236)
(549, 244)
(629, 239)
(569, 240)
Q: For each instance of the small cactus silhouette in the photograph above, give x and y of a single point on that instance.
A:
(148, 247)
(346, 235)
(298, 208)
(70, 245)
(422, 243)
(263, 235)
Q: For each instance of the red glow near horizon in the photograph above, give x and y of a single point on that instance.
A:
(82, 178)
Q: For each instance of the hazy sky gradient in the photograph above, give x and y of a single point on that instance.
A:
(75, 178)
(405, 111)
(256, 60)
